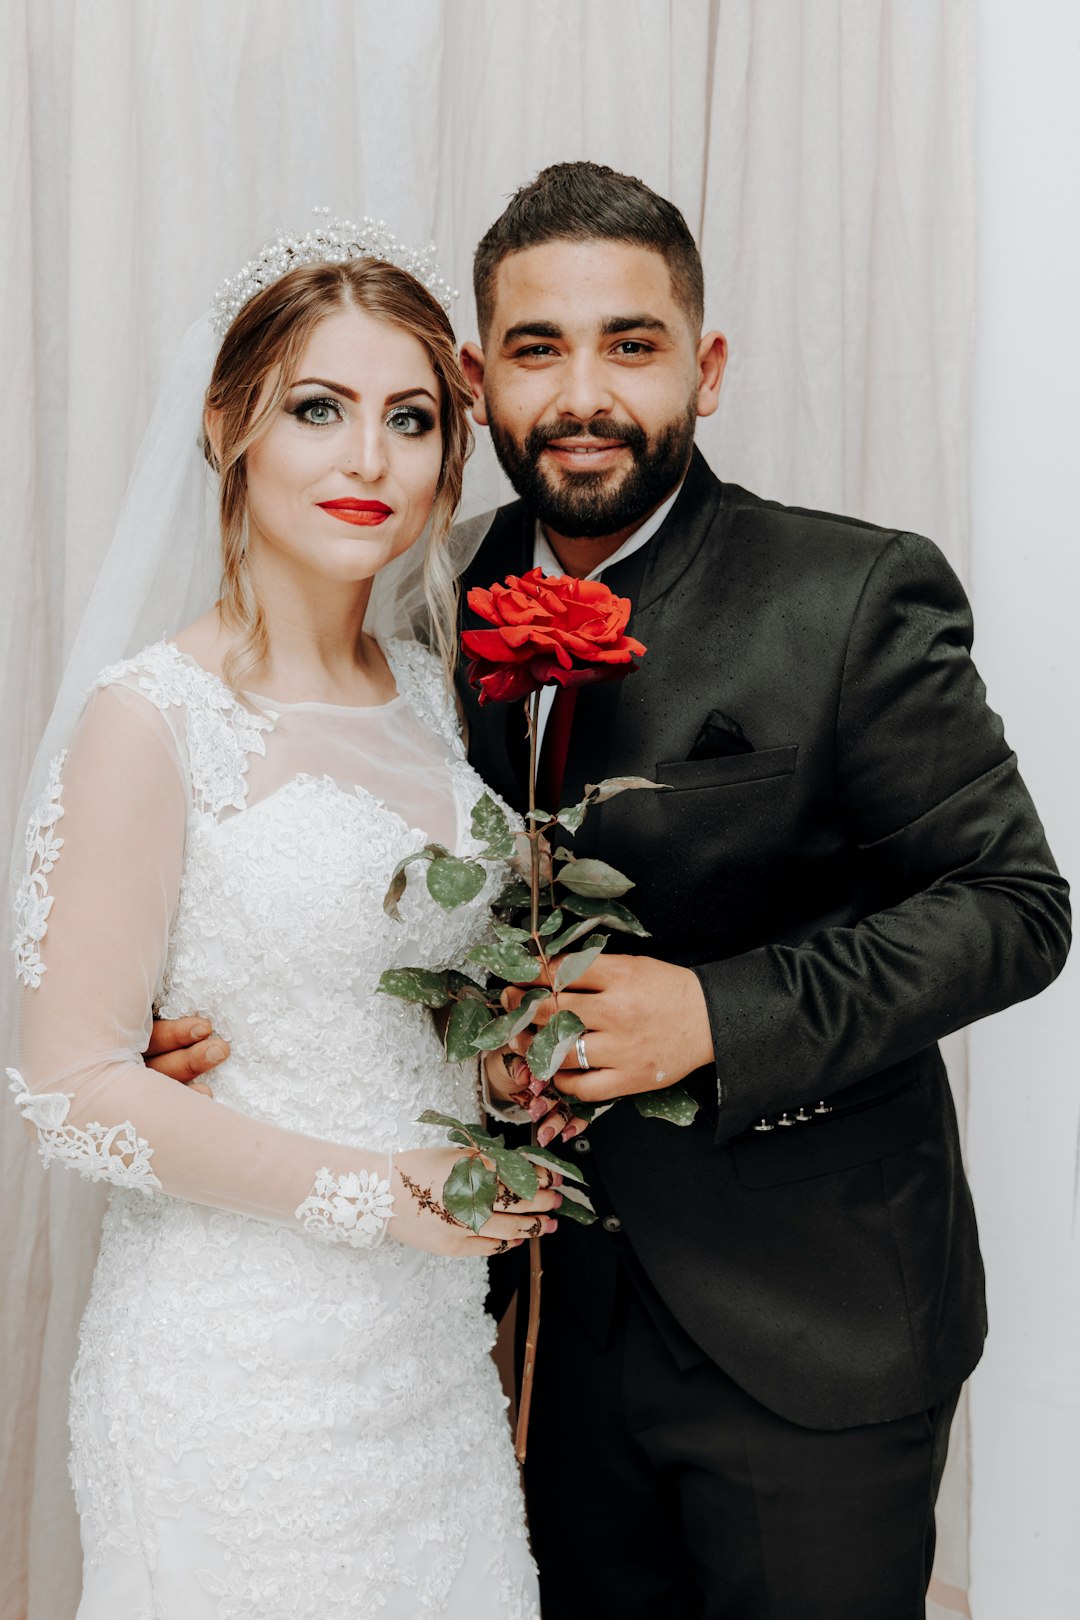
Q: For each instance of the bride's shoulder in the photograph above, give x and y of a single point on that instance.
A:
(421, 680)
(159, 672)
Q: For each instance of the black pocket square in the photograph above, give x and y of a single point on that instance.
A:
(720, 735)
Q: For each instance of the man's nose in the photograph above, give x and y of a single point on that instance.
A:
(365, 452)
(584, 389)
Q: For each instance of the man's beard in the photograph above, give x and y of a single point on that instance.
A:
(590, 505)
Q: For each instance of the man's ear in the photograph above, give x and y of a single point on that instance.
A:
(712, 356)
(472, 364)
(212, 431)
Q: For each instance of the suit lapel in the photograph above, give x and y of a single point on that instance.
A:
(611, 715)
(606, 713)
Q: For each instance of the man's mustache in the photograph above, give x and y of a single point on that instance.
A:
(539, 437)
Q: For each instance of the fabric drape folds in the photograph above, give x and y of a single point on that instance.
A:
(822, 153)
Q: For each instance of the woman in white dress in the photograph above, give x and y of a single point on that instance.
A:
(284, 1403)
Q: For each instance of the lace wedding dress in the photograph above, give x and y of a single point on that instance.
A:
(273, 1416)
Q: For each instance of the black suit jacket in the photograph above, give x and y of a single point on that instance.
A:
(868, 875)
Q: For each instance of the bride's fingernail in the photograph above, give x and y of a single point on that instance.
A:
(200, 1031)
(544, 1137)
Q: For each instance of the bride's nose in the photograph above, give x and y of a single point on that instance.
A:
(365, 452)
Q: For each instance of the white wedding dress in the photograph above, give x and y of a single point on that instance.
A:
(272, 1418)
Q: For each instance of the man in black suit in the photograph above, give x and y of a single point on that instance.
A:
(748, 1367)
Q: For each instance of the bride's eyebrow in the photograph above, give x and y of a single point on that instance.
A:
(347, 393)
(323, 382)
(410, 393)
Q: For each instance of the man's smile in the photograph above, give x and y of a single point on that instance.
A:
(585, 455)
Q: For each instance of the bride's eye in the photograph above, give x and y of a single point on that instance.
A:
(317, 412)
(410, 420)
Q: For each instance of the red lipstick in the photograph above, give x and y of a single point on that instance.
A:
(363, 514)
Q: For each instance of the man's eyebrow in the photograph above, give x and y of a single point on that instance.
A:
(347, 393)
(613, 324)
(534, 329)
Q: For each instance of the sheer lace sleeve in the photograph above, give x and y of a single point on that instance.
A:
(105, 855)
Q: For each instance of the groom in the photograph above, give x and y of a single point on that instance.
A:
(749, 1365)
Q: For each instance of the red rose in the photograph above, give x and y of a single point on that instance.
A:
(551, 629)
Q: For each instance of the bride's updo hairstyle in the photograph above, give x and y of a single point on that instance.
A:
(266, 341)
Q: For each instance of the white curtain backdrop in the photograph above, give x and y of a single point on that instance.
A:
(823, 153)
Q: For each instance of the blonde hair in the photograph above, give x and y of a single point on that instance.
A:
(266, 341)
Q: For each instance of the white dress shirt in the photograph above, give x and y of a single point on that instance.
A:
(545, 558)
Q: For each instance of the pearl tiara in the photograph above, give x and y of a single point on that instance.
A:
(333, 241)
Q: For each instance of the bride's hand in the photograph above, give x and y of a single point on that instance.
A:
(510, 1082)
(422, 1221)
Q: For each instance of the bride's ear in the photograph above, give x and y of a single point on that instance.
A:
(212, 436)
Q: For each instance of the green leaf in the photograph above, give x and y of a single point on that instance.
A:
(509, 934)
(551, 1161)
(515, 1172)
(431, 1116)
(600, 792)
(577, 963)
(503, 1029)
(398, 881)
(576, 1204)
(606, 913)
(583, 925)
(539, 815)
(466, 1021)
(415, 984)
(515, 897)
(572, 1211)
(454, 882)
(469, 1192)
(459, 984)
(550, 1045)
(673, 1103)
(551, 925)
(490, 826)
(594, 879)
(572, 815)
(511, 962)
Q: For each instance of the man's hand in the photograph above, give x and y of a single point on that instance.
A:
(185, 1048)
(646, 1025)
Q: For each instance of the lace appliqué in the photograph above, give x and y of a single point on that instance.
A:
(419, 679)
(113, 1153)
(221, 731)
(353, 1208)
(33, 902)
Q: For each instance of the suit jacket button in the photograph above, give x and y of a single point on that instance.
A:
(611, 1223)
(582, 1144)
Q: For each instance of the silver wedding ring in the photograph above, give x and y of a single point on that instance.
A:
(582, 1056)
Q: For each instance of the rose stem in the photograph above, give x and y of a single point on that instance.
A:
(532, 1332)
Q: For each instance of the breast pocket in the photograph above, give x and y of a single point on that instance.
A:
(728, 769)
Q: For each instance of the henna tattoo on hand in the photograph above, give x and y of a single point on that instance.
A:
(427, 1202)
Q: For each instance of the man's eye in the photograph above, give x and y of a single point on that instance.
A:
(633, 347)
(536, 351)
(317, 412)
(411, 421)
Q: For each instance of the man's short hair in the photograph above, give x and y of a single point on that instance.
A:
(588, 202)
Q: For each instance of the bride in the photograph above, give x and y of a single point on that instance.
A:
(283, 1403)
